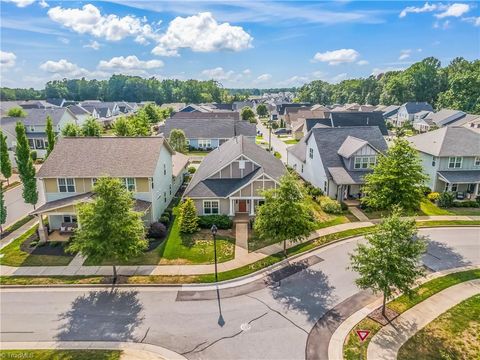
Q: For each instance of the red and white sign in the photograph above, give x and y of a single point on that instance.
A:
(363, 334)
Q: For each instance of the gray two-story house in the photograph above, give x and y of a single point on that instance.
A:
(451, 159)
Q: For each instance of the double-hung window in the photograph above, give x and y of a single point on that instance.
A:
(40, 144)
(66, 185)
(164, 169)
(204, 143)
(455, 162)
(129, 184)
(310, 153)
(364, 162)
(31, 143)
(210, 207)
(477, 161)
(434, 160)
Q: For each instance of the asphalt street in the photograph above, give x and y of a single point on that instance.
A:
(16, 207)
(277, 144)
(270, 323)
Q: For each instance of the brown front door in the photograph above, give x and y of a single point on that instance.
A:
(242, 206)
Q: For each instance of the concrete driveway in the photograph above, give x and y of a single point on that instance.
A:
(272, 322)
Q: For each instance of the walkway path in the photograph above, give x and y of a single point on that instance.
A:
(358, 213)
(131, 350)
(386, 343)
(4, 241)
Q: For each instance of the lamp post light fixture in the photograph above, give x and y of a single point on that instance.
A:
(214, 230)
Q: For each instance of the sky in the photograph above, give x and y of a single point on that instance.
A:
(239, 43)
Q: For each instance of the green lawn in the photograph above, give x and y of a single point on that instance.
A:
(14, 256)
(291, 141)
(465, 211)
(61, 354)
(17, 225)
(198, 153)
(354, 349)
(453, 335)
(429, 208)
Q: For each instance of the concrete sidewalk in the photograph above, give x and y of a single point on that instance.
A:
(4, 241)
(386, 343)
(131, 350)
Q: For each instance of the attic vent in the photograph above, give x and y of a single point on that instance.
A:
(241, 164)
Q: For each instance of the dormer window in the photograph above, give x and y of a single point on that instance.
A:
(365, 162)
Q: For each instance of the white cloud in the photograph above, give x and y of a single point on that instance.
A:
(336, 57)
(21, 3)
(63, 40)
(338, 78)
(63, 68)
(218, 73)
(296, 80)
(413, 9)
(201, 33)
(454, 10)
(405, 54)
(131, 62)
(43, 4)
(246, 72)
(7, 59)
(474, 20)
(89, 20)
(441, 25)
(95, 45)
(362, 62)
(263, 78)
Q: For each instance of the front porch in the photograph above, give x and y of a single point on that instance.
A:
(245, 206)
(464, 184)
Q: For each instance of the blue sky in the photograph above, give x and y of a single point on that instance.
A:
(239, 43)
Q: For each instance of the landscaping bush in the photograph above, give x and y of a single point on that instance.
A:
(33, 154)
(433, 196)
(313, 191)
(192, 169)
(330, 206)
(222, 221)
(445, 200)
(426, 190)
(157, 230)
(467, 204)
(188, 217)
(344, 206)
(277, 155)
(165, 220)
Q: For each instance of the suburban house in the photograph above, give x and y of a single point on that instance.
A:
(336, 159)
(432, 120)
(451, 159)
(81, 113)
(35, 123)
(390, 112)
(209, 132)
(471, 121)
(148, 167)
(406, 112)
(231, 178)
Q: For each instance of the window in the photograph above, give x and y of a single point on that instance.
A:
(66, 185)
(69, 218)
(40, 144)
(170, 188)
(31, 143)
(165, 197)
(129, 183)
(310, 153)
(94, 181)
(210, 207)
(365, 162)
(446, 187)
(164, 169)
(32, 128)
(302, 168)
(434, 160)
(241, 164)
(455, 162)
(204, 143)
(324, 186)
(454, 187)
(477, 161)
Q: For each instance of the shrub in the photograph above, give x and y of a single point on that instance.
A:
(477, 199)
(157, 230)
(277, 155)
(344, 206)
(426, 190)
(313, 191)
(222, 221)
(192, 169)
(445, 200)
(33, 154)
(165, 220)
(468, 203)
(433, 196)
(188, 217)
(330, 206)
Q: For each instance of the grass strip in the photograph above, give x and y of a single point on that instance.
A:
(17, 225)
(61, 354)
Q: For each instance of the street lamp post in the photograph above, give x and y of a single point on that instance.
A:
(214, 229)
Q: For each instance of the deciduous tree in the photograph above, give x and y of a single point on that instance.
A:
(71, 129)
(91, 127)
(122, 127)
(248, 114)
(5, 163)
(262, 110)
(17, 111)
(178, 140)
(26, 170)
(50, 135)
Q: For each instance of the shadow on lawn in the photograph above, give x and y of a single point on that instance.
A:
(440, 256)
(102, 316)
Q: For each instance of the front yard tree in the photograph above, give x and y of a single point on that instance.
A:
(397, 179)
(91, 127)
(262, 110)
(26, 170)
(285, 215)
(71, 129)
(122, 127)
(248, 114)
(188, 217)
(110, 228)
(5, 164)
(390, 260)
(178, 140)
(50, 135)
(3, 209)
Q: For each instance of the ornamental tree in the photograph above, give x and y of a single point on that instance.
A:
(5, 163)
(188, 217)
(285, 214)
(71, 129)
(110, 228)
(16, 111)
(397, 179)
(50, 135)
(122, 127)
(247, 114)
(26, 170)
(390, 259)
(262, 110)
(3, 209)
(178, 140)
(91, 127)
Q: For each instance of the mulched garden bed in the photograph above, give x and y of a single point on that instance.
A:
(377, 315)
(154, 243)
(31, 247)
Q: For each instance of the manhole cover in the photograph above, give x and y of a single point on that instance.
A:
(245, 326)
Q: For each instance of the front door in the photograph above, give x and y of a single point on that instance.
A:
(242, 206)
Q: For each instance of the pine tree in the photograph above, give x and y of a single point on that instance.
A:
(5, 164)
(26, 170)
(50, 135)
(188, 217)
(3, 209)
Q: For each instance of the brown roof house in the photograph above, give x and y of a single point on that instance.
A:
(148, 167)
(231, 178)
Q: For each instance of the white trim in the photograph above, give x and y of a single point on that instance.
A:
(251, 181)
(66, 185)
(211, 207)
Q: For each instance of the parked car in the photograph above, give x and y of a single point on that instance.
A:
(282, 131)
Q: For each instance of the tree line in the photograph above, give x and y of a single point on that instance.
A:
(456, 86)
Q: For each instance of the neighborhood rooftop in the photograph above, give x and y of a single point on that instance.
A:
(221, 128)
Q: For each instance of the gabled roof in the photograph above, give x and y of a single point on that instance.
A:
(210, 128)
(39, 116)
(78, 110)
(448, 141)
(98, 156)
(464, 120)
(209, 115)
(415, 107)
(224, 155)
(359, 118)
(446, 116)
(281, 107)
(350, 146)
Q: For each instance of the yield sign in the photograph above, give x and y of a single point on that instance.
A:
(362, 334)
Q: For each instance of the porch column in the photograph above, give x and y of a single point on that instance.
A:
(476, 190)
(232, 206)
(252, 205)
(42, 231)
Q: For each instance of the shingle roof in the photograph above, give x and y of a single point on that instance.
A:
(349, 118)
(390, 110)
(461, 177)
(448, 141)
(78, 110)
(210, 128)
(210, 115)
(39, 116)
(342, 176)
(97, 156)
(179, 161)
(446, 116)
(299, 150)
(350, 146)
(224, 155)
(415, 107)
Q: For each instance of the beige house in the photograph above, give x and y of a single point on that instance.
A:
(148, 167)
(231, 178)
